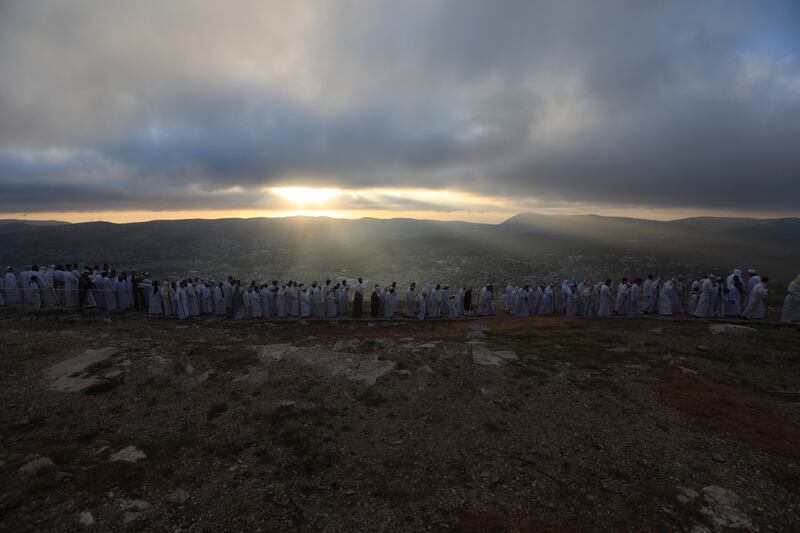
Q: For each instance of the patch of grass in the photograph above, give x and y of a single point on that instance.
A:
(217, 410)
(371, 398)
(587, 347)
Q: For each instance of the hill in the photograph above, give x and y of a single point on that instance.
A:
(524, 247)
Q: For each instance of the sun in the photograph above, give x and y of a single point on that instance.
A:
(307, 195)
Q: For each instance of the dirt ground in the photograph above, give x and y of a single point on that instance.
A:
(499, 424)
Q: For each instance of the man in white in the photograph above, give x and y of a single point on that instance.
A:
(604, 299)
(755, 303)
(623, 302)
(509, 298)
(433, 310)
(10, 286)
(791, 305)
(649, 290)
(411, 296)
(521, 301)
(733, 298)
(227, 292)
(460, 300)
(344, 299)
(705, 305)
(751, 280)
(665, 298)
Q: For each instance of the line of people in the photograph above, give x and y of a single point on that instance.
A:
(737, 295)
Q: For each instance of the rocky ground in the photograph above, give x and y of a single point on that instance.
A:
(502, 424)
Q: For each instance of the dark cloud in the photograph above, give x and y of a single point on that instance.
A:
(142, 106)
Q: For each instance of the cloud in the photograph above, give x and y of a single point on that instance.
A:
(151, 106)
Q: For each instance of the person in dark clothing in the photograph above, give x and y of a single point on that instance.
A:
(375, 303)
(468, 301)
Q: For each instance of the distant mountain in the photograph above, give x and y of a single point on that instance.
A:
(525, 247)
(32, 222)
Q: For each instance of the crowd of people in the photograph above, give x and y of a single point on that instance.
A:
(737, 295)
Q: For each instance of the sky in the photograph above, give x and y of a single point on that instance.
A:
(440, 109)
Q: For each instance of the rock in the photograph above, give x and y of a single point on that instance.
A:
(426, 346)
(36, 465)
(475, 335)
(731, 329)
(703, 348)
(686, 370)
(657, 331)
(481, 355)
(720, 496)
(427, 369)
(86, 519)
(131, 517)
(74, 375)
(177, 496)
(131, 454)
(722, 511)
(134, 505)
(688, 493)
(404, 373)
(506, 354)
(619, 349)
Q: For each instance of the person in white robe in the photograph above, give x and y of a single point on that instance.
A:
(192, 291)
(11, 287)
(755, 310)
(509, 307)
(293, 303)
(585, 299)
(227, 292)
(154, 306)
(520, 299)
(444, 298)
(330, 303)
(110, 293)
(733, 298)
(422, 306)
(181, 301)
(433, 301)
(548, 301)
(305, 303)
(255, 303)
(623, 301)
(34, 292)
(391, 303)
(486, 301)
(648, 292)
(751, 280)
(246, 302)
(164, 290)
(264, 296)
(604, 299)
(411, 296)
(665, 299)
(705, 305)
(634, 309)
(791, 304)
(533, 300)
(694, 301)
(343, 299)
(571, 306)
(218, 297)
(281, 301)
(460, 300)
(206, 303)
(563, 293)
(121, 289)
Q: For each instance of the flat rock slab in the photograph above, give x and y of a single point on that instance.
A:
(131, 454)
(74, 375)
(731, 329)
(481, 355)
(357, 367)
(36, 465)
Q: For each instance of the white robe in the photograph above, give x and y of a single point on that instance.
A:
(604, 303)
(649, 290)
(410, 310)
(733, 300)
(109, 293)
(11, 288)
(34, 295)
(255, 304)
(227, 294)
(521, 303)
(219, 301)
(422, 308)
(665, 299)
(181, 303)
(154, 306)
(755, 303)
(165, 291)
(623, 303)
(485, 303)
(548, 306)
(791, 304)
(705, 305)
(341, 304)
(305, 304)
